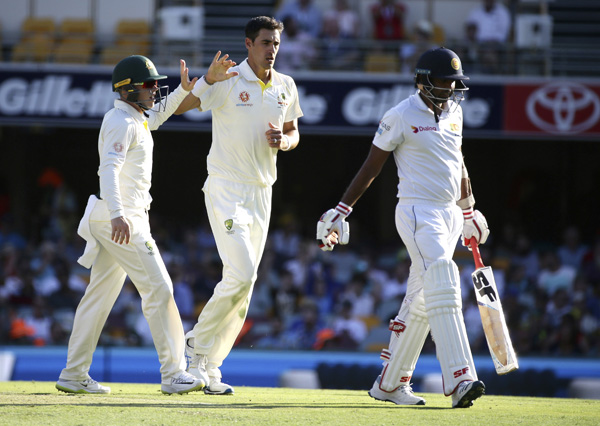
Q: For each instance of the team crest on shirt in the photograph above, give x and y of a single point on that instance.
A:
(281, 100)
(454, 127)
(229, 225)
(150, 248)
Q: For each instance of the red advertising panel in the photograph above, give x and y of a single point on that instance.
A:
(558, 107)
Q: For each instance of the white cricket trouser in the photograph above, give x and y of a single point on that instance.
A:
(239, 217)
(142, 262)
(430, 232)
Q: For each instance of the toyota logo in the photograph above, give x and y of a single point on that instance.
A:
(564, 108)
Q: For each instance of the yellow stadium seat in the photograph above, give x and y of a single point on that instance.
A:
(79, 30)
(36, 26)
(382, 62)
(73, 53)
(110, 55)
(34, 49)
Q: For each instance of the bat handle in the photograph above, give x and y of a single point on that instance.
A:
(476, 253)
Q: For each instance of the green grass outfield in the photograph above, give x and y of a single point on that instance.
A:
(39, 403)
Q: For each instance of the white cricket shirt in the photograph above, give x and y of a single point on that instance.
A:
(242, 108)
(125, 146)
(427, 154)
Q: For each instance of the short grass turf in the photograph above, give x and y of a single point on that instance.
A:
(39, 403)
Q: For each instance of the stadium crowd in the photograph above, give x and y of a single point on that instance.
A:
(304, 299)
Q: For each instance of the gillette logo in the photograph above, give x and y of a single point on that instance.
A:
(423, 129)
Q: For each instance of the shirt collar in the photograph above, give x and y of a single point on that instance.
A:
(420, 104)
(249, 75)
(124, 106)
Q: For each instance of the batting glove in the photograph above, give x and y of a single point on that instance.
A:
(334, 221)
(475, 226)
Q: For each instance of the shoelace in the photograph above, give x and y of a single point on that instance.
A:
(406, 389)
(184, 378)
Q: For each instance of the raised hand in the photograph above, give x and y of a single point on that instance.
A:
(186, 84)
(219, 69)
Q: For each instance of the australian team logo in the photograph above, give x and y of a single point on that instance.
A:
(281, 100)
(229, 226)
(150, 248)
(244, 96)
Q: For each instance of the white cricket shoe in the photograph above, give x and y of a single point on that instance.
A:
(183, 383)
(467, 392)
(401, 396)
(88, 385)
(196, 364)
(217, 387)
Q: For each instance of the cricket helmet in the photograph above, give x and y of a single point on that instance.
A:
(135, 70)
(441, 63)
(136, 73)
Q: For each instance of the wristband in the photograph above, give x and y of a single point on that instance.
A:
(468, 213)
(200, 87)
(344, 209)
(288, 145)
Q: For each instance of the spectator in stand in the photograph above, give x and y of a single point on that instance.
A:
(346, 20)
(349, 331)
(296, 51)
(572, 251)
(590, 266)
(357, 292)
(303, 332)
(491, 23)
(305, 13)
(523, 254)
(388, 20)
(337, 51)
(421, 41)
(558, 306)
(555, 276)
(41, 323)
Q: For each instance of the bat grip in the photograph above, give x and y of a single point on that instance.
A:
(476, 253)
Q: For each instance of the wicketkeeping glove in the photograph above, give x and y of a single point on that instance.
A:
(333, 220)
(475, 226)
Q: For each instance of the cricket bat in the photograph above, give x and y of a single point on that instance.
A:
(492, 315)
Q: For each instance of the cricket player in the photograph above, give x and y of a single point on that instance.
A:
(255, 113)
(435, 203)
(117, 231)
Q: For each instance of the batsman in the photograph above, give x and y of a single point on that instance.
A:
(435, 205)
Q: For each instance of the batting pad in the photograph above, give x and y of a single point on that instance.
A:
(406, 343)
(443, 305)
